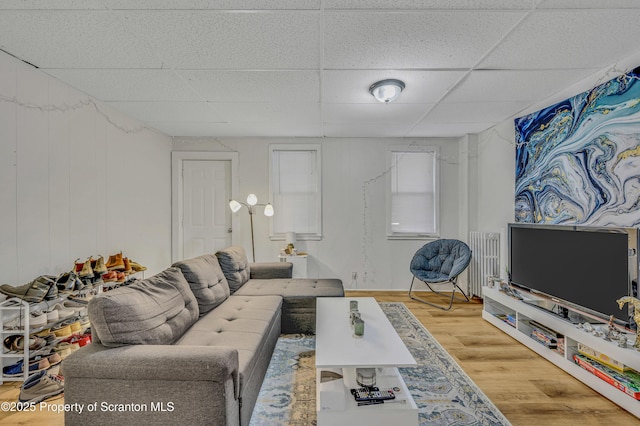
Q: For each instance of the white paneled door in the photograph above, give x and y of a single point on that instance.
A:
(206, 217)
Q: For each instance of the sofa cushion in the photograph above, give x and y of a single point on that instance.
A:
(250, 324)
(206, 280)
(235, 266)
(157, 310)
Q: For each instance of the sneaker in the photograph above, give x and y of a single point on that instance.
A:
(34, 292)
(100, 267)
(115, 263)
(39, 387)
(62, 332)
(38, 320)
(15, 343)
(17, 368)
(68, 282)
(53, 316)
(136, 267)
(67, 346)
(121, 276)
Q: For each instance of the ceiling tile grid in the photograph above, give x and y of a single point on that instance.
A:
(304, 67)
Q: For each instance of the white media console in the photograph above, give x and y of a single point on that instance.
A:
(497, 304)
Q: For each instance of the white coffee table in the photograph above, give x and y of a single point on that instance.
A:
(337, 350)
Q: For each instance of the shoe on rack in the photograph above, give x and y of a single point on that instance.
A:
(121, 276)
(128, 270)
(79, 309)
(86, 271)
(62, 332)
(39, 387)
(15, 343)
(115, 263)
(68, 282)
(136, 267)
(34, 292)
(83, 340)
(99, 268)
(110, 277)
(66, 346)
(38, 320)
(17, 369)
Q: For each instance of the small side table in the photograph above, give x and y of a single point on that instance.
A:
(299, 264)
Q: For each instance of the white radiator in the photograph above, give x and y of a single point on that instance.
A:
(485, 259)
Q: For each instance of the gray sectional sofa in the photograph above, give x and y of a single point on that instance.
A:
(190, 345)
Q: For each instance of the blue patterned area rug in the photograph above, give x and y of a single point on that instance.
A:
(445, 395)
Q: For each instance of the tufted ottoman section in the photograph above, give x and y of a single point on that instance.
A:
(299, 299)
(252, 326)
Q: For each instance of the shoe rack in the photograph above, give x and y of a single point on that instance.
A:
(11, 310)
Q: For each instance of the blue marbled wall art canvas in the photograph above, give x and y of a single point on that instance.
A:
(578, 161)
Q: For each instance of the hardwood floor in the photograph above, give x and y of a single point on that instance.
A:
(529, 390)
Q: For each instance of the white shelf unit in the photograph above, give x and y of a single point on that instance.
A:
(498, 303)
(402, 411)
(10, 310)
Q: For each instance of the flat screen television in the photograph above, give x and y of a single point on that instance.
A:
(580, 267)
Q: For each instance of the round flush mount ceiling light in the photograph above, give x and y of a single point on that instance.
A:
(387, 91)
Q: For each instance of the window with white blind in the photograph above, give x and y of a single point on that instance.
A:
(295, 182)
(412, 210)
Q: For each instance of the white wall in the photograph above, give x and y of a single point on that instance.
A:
(77, 179)
(354, 212)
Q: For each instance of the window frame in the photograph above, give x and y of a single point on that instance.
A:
(435, 151)
(317, 148)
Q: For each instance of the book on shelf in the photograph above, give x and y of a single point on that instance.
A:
(601, 358)
(627, 382)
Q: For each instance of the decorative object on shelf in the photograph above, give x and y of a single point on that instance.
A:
(252, 202)
(366, 377)
(636, 314)
(386, 91)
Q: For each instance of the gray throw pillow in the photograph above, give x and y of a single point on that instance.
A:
(206, 280)
(235, 266)
(154, 311)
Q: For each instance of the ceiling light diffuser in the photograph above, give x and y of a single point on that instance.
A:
(387, 90)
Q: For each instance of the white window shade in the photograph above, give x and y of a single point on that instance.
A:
(413, 197)
(296, 192)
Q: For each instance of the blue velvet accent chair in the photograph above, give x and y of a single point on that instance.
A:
(440, 262)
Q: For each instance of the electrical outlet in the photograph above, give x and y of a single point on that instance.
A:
(354, 275)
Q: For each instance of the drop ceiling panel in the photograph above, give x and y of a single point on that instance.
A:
(454, 130)
(565, 39)
(589, 4)
(518, 85)
(73, 39)
(254, 86)
(429, 4)
(375, 130)
(231, 40)
(208, 4)
(387, 40)
(52, 4)
(166, 111)
(352, 86)
(262, 129)
(274, 111)
(407, 114)
(473, 112)
(128, 84)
